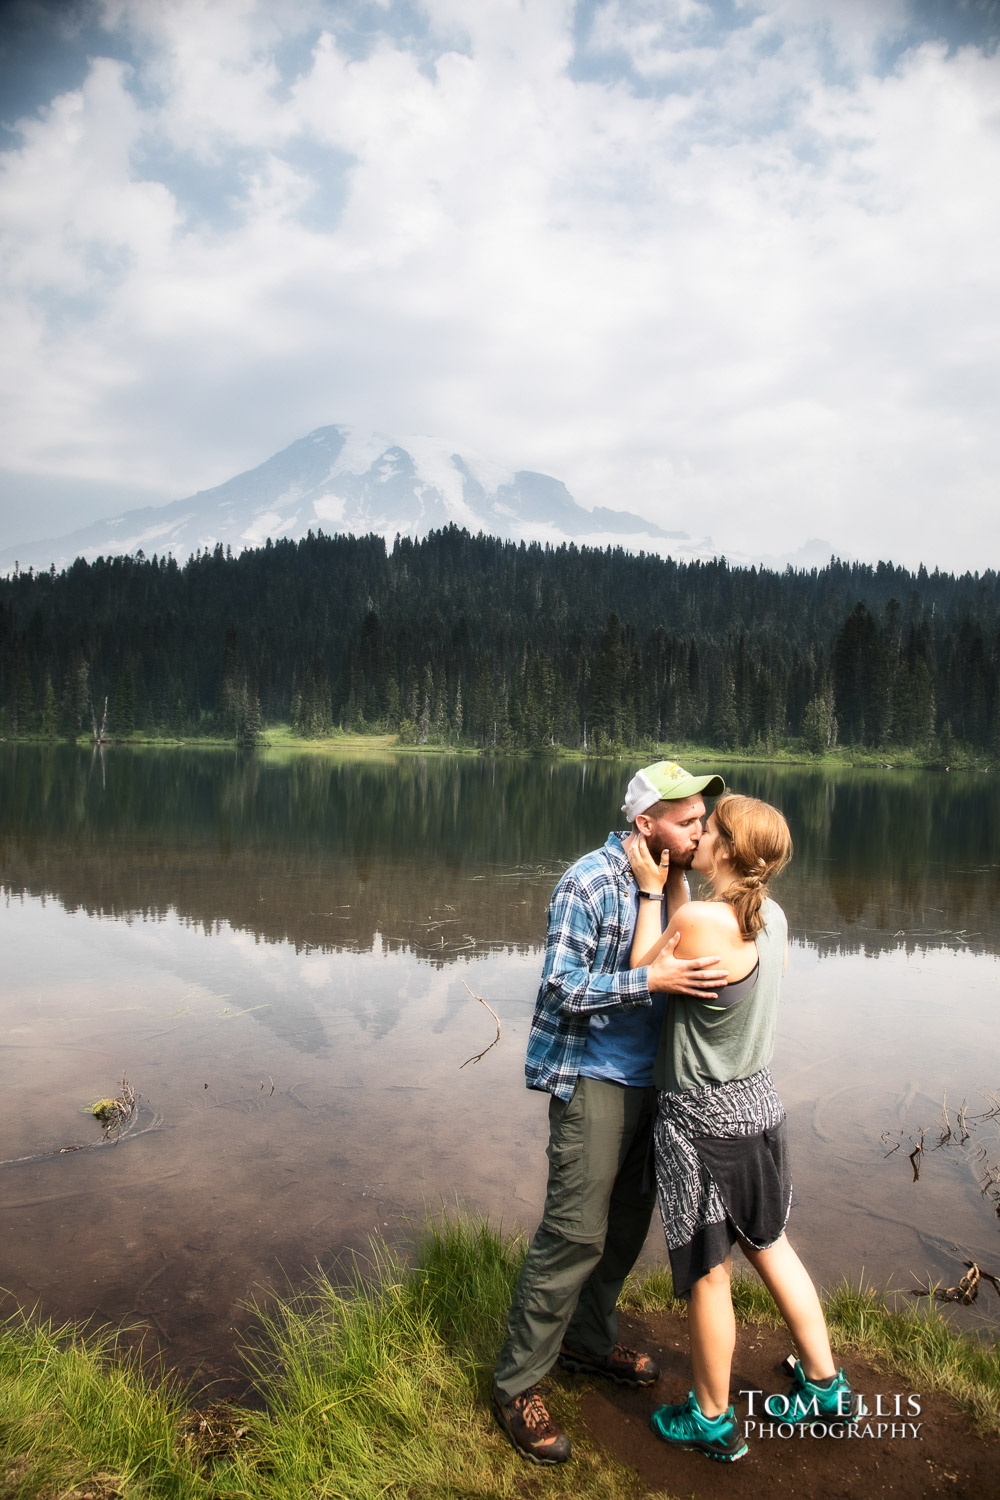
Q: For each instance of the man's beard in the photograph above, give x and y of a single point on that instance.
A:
(656, 847)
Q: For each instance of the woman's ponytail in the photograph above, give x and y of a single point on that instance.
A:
(759, 844)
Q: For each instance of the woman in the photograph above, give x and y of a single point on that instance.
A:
(721, 1164)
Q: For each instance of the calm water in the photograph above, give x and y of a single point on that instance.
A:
(283, 955)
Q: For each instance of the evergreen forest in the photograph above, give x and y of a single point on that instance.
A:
(475, 641)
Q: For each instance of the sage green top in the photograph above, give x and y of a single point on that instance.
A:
(701, 1045)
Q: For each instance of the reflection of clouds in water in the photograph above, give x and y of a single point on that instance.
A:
(458, 999)
(308, 999)
(894, 1023)
(58, 962)
(390, 989)
(317, 971)
(91, 967)
(249, 976)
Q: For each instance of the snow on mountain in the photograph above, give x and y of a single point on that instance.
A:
(340, 480)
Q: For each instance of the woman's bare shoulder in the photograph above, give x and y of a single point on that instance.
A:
(705, 913)
(709, 927)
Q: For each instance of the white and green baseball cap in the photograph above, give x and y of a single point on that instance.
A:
(668, 781)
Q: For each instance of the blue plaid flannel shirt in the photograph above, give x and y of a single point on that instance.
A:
(591, 920)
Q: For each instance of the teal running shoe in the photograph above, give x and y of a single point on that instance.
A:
(687, 1427)
(810, 1400)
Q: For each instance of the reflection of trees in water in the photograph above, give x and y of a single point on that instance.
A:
(891, 859)
(341, 905)
(468, 811)
(438, 855)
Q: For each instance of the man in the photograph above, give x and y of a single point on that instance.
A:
(592, 1044)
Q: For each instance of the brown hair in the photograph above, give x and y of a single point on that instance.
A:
(759, 844)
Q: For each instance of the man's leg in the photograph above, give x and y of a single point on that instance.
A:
(593, 1329)
(586, 1152)
(553, 1272)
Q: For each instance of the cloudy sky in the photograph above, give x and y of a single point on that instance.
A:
(732, 264)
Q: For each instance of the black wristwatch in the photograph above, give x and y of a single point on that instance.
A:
(652, 895)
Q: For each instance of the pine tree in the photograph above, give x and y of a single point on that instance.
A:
(457, 718)
(724, 725)
(50, 709)
(819, 723)
(123, 709)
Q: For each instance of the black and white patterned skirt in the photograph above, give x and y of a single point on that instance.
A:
(722, 1172)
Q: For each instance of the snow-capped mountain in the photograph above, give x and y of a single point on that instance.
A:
(341, 480)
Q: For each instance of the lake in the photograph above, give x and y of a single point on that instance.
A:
(284, 954)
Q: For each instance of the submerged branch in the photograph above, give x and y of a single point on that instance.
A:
(480, 1055)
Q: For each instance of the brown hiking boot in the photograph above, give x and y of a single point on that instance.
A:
(627, 1366)
(527, 1423)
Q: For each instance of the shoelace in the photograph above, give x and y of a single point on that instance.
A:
(629, 1356)
(535, 1414)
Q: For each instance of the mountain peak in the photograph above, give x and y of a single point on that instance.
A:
(339, 479)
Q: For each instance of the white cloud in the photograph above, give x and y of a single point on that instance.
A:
(213, 66)
(761, 281)
(72, 207)
(854, 30)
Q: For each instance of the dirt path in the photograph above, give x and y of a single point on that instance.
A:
(944, 1457)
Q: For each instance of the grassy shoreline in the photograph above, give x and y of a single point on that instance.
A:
(380, 1390)
(279, 738)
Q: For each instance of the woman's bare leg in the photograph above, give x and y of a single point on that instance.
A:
(712, 1330)
(790, 1284)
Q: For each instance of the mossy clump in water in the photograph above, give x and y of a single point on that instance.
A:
(115, 1114)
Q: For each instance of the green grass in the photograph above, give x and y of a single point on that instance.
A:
(379, 1390)
(75, 1409)
(385, 1390)
(280, 742)
(920, 1344)
(893, 757)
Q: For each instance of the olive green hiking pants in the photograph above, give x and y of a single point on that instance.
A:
(598, 1204)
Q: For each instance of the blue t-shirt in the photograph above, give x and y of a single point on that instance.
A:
(621, 1045)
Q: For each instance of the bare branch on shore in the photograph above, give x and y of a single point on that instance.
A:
(967, 1289)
